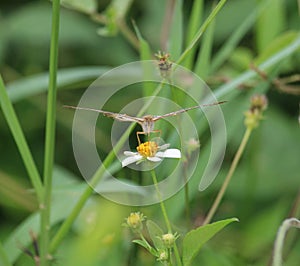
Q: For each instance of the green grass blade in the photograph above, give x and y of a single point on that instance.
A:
(145, 51)
(202, 67)
(145, 54)
(268, 28)
(201, 31)
(17, 132)
(176, 31)
(272, 61)
(66, 78)
(232, 42)
(193, 26)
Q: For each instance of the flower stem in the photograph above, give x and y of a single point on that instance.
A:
(186, 195)
(162, 205)
(228, 177)
(167, 221)
(145, 241)
(50, 135)
(287, 224)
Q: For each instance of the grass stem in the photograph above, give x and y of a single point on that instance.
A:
(50, 135)
(233, 166)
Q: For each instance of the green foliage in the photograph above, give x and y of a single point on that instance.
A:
(88, 7)
(194, 240)
(218, 42)
(155, 233)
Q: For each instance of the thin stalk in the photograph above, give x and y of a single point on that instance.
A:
(169, 256)
(50, 134)
(164, 212)
(145, 241)
(286, 225)
(162, 205)
(185, 165)
(129, 35)
(233, 166)
(186, 195)
(65, 227)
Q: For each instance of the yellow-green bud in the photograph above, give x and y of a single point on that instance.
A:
(192, 145)
(135, 220)
(168, 240)
(252, 117)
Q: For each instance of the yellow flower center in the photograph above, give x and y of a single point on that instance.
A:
(147, 149)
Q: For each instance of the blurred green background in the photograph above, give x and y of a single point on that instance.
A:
(265, 188)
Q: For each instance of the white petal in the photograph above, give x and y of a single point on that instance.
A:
(164, 147)
(130, 153)
(154, 159)
(131, 159)
(160, 154)
(169, 153)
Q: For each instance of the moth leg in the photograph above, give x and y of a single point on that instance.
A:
(140, 133)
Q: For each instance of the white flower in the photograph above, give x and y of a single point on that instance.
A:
(150, 151)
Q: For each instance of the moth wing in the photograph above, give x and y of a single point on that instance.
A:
(117, 116)
(155, 118)
(126, 118)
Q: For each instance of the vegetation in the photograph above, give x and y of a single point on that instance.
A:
(207, 206)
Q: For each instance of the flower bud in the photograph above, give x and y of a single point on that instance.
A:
(259, 102)
(135, 221)
(169, 239)
(254, 114)
(192, 145)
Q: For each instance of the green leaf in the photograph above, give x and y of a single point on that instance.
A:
(145, 51)
(86, 6)
(146, 246)
(195, 239)
(193, 26)
(236, 36)
(19, 137)
(203, 62)
(201, 30)
(66, 192)
(120, 7)
(270, 23)
(3, 257)
(114, 15)
(29, 86)
(155, 233)
(278, 44)
(145, 54)
(176, 32)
